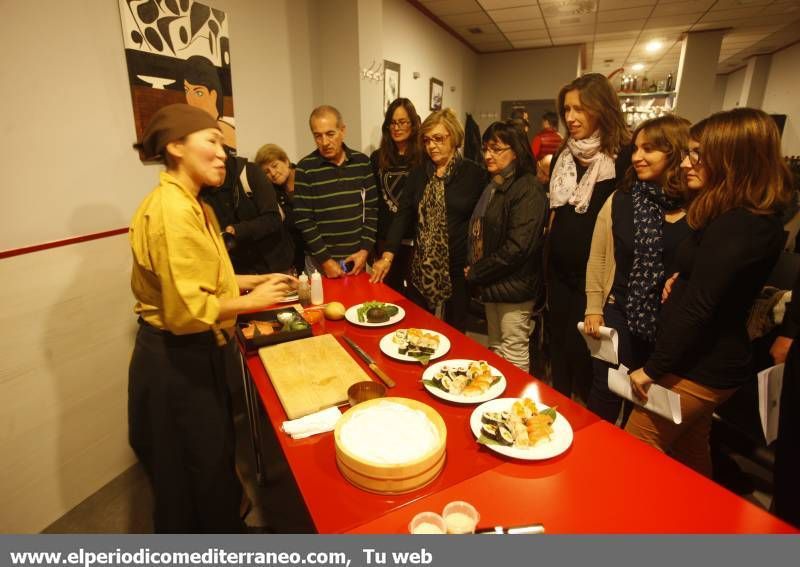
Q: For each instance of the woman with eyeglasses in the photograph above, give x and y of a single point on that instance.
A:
(505, 241)
(440, 196)
(583, 174)
(633, 246)
(397, 155)
(702, 349)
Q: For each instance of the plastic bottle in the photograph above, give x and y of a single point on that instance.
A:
(316, 288)
(304, 290)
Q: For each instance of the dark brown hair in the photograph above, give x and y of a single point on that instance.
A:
(740, 154)
(600, 100)
(668, 134)
(387, 152)
(511, 134)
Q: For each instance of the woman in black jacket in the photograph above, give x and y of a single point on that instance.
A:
(702, 349)
(505, 241)
(440, 195)
(247, 208)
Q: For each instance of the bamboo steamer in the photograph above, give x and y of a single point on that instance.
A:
(384, 478)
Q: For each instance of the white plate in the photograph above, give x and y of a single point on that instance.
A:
(489, 394)
(389, 347)
(352, 315)
(558, 443)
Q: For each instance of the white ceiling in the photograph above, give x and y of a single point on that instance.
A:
(615, 32)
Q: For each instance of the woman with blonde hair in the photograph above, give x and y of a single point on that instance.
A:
(440, 196)
(702, 350)
(583, 174)
(633, 247)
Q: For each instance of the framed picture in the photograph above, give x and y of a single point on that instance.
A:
(178, 52)
(391, 83)
(437, 91)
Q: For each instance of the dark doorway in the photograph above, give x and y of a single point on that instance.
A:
(534, 108)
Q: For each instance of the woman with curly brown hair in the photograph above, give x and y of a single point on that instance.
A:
(702, 350)
(633, 246)
(583, 174)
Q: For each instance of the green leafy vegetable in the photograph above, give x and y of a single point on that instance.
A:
(550, 412)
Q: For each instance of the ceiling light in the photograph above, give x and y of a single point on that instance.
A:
(653, 46)
(638, 67)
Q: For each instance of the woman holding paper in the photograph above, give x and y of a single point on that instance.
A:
(585, 171)
(633, 246)
(702, 350)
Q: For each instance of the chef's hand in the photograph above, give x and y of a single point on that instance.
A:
(668, 287)
(780, 349)
(359, 260)
(332, 268)
(592, 324)
(641, 383)
(248, 282)
(380, 268)
(269, 292)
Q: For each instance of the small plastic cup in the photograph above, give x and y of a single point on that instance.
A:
(427, 523)
(460, 517)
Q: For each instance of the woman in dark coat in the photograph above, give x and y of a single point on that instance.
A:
(505, 241)
(440, 195)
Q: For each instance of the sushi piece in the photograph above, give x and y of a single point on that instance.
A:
(504, 435)
(489, 430)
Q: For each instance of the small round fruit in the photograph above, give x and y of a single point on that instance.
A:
(334, 311)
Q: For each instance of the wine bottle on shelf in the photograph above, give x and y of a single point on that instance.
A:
(643, 86)
(635, 86)
(669, 82)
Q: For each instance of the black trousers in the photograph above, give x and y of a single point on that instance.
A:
(570, 360)
(180, 426)
(633, 353)
(787, 447)
(455, 309)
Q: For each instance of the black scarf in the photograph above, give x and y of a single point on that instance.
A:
(647, 274)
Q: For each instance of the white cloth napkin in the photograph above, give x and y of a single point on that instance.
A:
(312, 423)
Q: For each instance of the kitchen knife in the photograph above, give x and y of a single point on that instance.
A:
(371, 363)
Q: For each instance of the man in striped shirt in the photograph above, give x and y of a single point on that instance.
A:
(335, 199)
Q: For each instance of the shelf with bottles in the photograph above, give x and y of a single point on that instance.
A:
(637, 110)
(654, 94)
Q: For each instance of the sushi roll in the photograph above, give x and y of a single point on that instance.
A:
(489, 430)
(492, 417)
(504, 435)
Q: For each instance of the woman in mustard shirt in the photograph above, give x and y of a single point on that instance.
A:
(179, 414)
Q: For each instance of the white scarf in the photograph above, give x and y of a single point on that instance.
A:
(564, 185)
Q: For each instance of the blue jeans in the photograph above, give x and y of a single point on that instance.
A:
(633, 353)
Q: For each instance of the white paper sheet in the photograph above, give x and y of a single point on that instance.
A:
(606, 347)
(661, 401)
(312, 424)
(770, 382)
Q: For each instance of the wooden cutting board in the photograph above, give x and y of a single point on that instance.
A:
(310, 374)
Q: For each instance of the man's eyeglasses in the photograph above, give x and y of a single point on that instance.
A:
(693, 155)
(399, 124)
(494, 151)
(436, 140)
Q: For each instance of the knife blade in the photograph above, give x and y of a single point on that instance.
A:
(371, 363)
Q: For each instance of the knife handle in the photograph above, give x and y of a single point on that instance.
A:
(382, 375)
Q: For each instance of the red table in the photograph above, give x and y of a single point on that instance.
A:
(607, 482)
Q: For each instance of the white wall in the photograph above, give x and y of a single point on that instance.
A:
(718, 93)
(733, 89)
(67, 321)
(524, 75)
(781, 95)
(418, 44)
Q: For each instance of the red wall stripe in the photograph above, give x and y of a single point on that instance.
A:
(59, 243)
